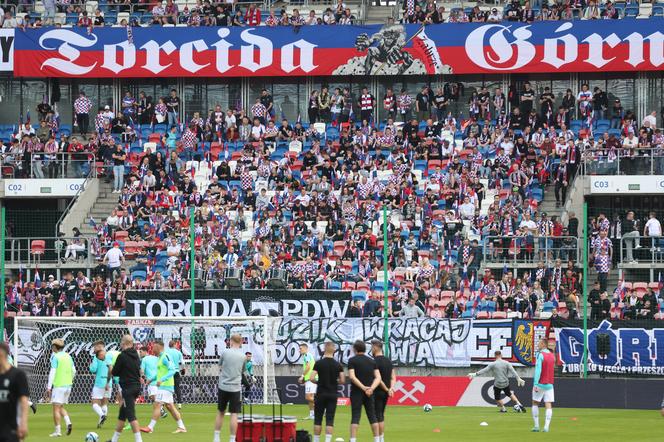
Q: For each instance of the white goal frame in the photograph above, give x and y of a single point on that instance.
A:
(268, 334)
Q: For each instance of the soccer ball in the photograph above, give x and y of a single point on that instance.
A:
(427, 408)
(92, 437)
(517, 408)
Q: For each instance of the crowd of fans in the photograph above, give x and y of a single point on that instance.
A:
(303, 202)
(230, 13)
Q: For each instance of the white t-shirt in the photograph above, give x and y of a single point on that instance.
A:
(528, 224)
(114, 257)
(653, 227)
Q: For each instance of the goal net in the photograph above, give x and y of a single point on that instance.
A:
(201, 341)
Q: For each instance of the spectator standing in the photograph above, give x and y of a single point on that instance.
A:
(114, 259)
(253, 16)
(367, 103)
(630, 233)
(173, 107)
(82, 107)
(410, 310)
(653, 229)
(119, 158)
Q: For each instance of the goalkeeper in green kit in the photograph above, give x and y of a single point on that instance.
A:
(502, 371)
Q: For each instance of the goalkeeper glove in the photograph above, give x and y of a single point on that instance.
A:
(520, 382)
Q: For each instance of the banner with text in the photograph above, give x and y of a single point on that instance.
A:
(219, 303)
(632, 347)
(465, 48)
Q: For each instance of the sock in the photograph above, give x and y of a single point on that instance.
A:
(30, 403)
(535, 413)
(116, 437)
(152, 424)
(328, 438)
(232, 438)
(180, 424)
(67, 420)
(376, 438)
(98, 410)
(316, 438)
(352, 439)
(382, 438)
(58, 429)
(216, 436)
(105, 409)
(137, 437)
(548, 414)
(311, 413)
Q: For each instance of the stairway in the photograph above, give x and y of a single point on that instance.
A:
(379, 14)
(102, 208)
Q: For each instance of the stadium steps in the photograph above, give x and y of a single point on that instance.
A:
(102, 208)
(548, 204)
(379, 14)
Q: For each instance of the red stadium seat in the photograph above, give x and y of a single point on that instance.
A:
(499, 315)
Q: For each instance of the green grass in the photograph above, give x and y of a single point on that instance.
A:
(404, 424)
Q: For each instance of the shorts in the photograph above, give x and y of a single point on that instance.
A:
(325, 406)
(164, 396)
(358, 400)
(230, 399)
(152, 390)
(380, 403)
(497, 390)
(128, 405)
(543, 395)
(100, 393)
(60, 395)
(310, 387)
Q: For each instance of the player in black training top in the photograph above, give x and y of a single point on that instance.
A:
(328, 374)
(384, 391)
(14, 393)
(365, 379)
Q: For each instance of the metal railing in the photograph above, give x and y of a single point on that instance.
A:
(49, 166)
(32, 251)
(513, 250)
(621, 161)
(650, 250)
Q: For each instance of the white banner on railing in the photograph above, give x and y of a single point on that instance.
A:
(52, 188)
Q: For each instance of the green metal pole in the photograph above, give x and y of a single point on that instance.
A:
(585, 289)
(2, 271)
(386, 331)
(192, 285)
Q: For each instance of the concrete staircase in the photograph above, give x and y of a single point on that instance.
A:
(379, 14)
(101, 209)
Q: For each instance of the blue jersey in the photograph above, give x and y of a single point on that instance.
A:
(176, 357)
(149, 368)
(100, 370)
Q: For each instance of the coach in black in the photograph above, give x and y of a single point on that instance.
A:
(328, 374)
(365, 379)
(388, 378)
(128, 368)
(14, 392)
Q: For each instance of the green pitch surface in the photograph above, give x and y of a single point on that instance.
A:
(404, 424)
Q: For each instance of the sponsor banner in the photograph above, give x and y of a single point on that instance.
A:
(58, 187)
(637, 349)
(6, 50)
(608, 184)
(220, 303)
(466, 48)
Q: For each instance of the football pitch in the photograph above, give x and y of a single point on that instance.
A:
(404, 424)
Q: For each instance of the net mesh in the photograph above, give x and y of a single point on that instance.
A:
(200, 340)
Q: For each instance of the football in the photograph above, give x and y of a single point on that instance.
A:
(92, 437)
(427, 408)
(517, 408)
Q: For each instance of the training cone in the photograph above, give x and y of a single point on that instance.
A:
(484, 424)
(339, 439)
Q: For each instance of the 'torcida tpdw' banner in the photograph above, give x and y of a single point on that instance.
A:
(222, 303)
(635, 347)
(467, 48)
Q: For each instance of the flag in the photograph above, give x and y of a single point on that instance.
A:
(505, 270)
(27, 117)
(92, 223)
(427, 48)
(37, 279)
(660, 284)
(20, 278)
(299, 118)
(554, 298)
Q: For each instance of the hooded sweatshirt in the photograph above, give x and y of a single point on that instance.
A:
(128, 368)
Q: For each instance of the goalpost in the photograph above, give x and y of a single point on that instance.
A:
(200, 339)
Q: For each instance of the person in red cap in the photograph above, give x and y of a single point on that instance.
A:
(114, 259)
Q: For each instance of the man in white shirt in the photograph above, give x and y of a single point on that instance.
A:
(528, 223)
(630, 142)
(114, 259)
(173, 251)
(230, 258)
(495, 16)
(467, 209)
(653, 229)
(652, 119)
